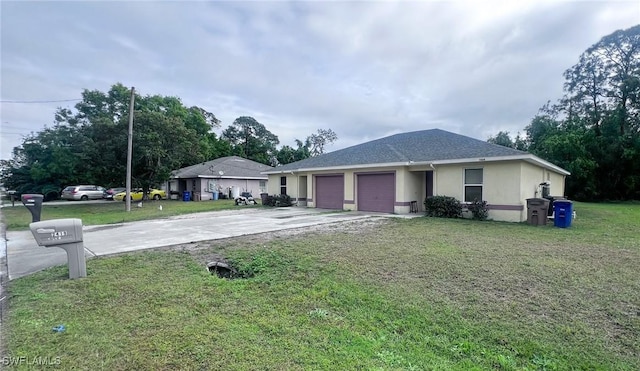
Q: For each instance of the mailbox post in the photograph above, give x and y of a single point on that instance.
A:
(12, 194)
(33, 202)
(66, 234)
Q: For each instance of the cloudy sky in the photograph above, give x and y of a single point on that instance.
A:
(365, 69)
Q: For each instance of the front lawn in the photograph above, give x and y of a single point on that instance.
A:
(410, 294)
(18, 217)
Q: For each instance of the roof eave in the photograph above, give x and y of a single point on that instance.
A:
(333, 168)
(524, 157)
(232, 177)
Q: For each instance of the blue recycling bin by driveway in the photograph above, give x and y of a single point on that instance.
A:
(563, 213)
(186, 196)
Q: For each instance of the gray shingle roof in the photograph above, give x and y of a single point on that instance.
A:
(231, 167)
(417, 146)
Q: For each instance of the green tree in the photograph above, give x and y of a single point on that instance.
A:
(313, 145)
(88, 144)
(286, 155)
(594, 130)
(216, 147)
(161, 144)
(112, 105)
(502, 139)
(602, 97)
(46, 161)
(251, 139)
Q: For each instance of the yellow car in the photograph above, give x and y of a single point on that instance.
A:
(136, 195)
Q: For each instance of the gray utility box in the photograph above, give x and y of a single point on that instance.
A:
(66, 234)
(537, 211)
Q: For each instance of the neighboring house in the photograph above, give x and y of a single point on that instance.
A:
(389, 174)
(227, 175)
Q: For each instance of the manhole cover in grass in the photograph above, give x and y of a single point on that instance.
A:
(222, 269)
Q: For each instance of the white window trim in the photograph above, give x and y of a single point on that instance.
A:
(465, 185)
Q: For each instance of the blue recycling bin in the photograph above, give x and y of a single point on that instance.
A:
(215, 195)
(186, 196)
(563, 213)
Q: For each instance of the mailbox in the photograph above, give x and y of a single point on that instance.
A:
(57, 231)
(12, 195)
(66, 234)
(33, 202)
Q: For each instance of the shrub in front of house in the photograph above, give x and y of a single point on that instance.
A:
(443, 207)
(479, 210)
(278, 200)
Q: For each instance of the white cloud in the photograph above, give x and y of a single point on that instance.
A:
(363, 69)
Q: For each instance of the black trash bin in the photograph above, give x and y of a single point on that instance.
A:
(537, 211)
(33, 202)
(552, 199)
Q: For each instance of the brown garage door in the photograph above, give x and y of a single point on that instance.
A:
(330, 191)
(376, 192)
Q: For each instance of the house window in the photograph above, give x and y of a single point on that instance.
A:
(472, 185)
(263, 186)
(283, 185)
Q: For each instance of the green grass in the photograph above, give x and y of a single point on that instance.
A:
(416, 294)
(18, 217)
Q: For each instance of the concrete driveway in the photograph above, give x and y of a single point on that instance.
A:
(24, 256)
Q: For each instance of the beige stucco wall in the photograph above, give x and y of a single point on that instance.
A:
(501, 185)
(447, 181)
(274, 181)
(350, 178)
(410, 186)
(506, 184)
(349, 191)
(557, 184)
(501, 181)
(302, 190)
(298, 186)
(533, 175)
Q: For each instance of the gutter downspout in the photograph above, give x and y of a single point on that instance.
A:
(434, 179)
(297, 189)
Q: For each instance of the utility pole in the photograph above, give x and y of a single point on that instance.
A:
(130, 149)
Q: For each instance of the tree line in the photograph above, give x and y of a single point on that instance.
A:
(593, 131)
(88, 144)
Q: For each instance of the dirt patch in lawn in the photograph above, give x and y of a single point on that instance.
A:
(206, 251)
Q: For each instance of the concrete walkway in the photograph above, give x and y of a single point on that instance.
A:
(24, 256)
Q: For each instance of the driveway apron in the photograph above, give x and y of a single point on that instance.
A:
(24, 256)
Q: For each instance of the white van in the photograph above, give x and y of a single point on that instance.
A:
(82, 192)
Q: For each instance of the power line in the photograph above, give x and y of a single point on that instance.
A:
(39, 101)
(5, 126)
